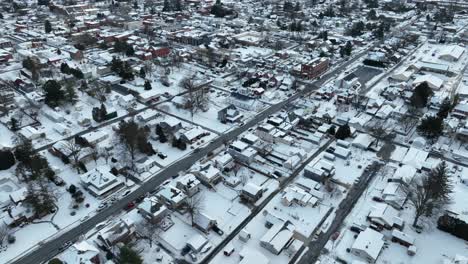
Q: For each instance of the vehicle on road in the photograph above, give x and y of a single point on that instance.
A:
(130, 206)
(127, 192)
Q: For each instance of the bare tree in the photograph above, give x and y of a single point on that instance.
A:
(149, 229)
(4, 231)
(429, 192)
(419, 195)
(105, 153)
(128, 135)
(196, 97)
(236, 168)
(148, 66)
(195, 205)
(381, 132)
(74, 151)
(406, 121)
(100, 91)
(95, 155)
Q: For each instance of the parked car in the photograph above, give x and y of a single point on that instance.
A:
(162, 155)
(229, 249)
(130, 206)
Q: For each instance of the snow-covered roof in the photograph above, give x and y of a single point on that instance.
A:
(433, 81)
(452, 51)
(99, 180)
(196, 242)
(369, 241)
(252, 256)
(415, 157)
(252, 188)
(363, 141)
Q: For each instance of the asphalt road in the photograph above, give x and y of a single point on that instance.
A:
(345, 207)
(50, 248)
(260, 207)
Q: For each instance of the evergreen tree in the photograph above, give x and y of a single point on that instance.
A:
(47, 26)
(148, 85)
(440, 182)
(55, 261)
(130, 51)
(70, 94)
(297, 7)
(445, 108)
(431, 127)
(343, 132)
(53, 93)
(64, 68)
(372, 15)
(142, 73)
(178, 5)
(102, 111)
(420, 96)
(7, 160)
(40, 198)
(129, 256)
(116, 65)
(166, 6)
(348, 48)
(357, 29)
(14, 124)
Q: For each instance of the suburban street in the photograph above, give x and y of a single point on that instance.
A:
(50, 248)
(315, 246)
(259, 208)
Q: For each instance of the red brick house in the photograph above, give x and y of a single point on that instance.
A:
(159, 51)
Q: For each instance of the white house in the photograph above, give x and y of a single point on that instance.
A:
(152, 209)
(208, 174)
(368, 245)
(100, 182)
(189, 184)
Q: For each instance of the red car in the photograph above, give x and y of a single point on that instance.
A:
(130, 205)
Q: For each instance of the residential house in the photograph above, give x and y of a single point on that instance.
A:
(170, 125)
(385, 216)
(152, 209)
(100, 182)
(296, 195)
(82, 252)
(279, 234)
(394, 195)
(189, 184)
(95, 137)
(208, 174)
(229, 114)
(120, 232)
(204, 222)
(319, 171)
(171, 196)
(251, 193)
(145, 167)
(242, 152)
(224, 162)
(368, 245)
(191, 135)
